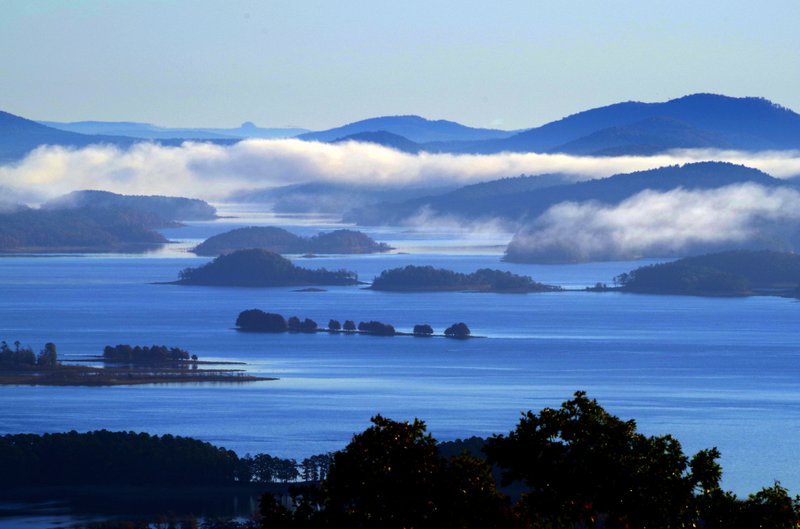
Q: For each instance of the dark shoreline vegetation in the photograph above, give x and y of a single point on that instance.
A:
(567, 467)
(96, 222)
(734, 274)
(260, 268)
(130, 366)
(279, 240)
(256, 320)
(429, 279)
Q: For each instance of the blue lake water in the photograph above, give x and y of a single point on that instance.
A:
(713, 372)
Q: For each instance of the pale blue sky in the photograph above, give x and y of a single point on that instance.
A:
(319, 64)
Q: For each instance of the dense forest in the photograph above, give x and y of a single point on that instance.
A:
(734, 273)
(127, 458)
(279, 240)
(576, 466)
(427, 278)
(261, 268)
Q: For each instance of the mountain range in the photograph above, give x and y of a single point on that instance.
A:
(628, 128)
(520, 199)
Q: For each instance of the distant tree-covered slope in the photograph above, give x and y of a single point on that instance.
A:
(279, 240)
(649, 136)
(733, 273)
(260, 268)
(526, 198)
(414, 128)
(747, 123)
(427, 278)
(329, 197)
(168, 208)
(78, 230)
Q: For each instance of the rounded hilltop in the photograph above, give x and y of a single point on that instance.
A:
(261, 268)
(279, 240)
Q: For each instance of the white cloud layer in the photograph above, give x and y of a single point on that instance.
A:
(654, 224)
(213, 171)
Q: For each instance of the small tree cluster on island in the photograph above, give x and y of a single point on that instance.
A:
(24, 356)
(256, 320)
(138, 354)
(457, 330)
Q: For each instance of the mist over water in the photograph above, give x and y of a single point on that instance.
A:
(214, 172)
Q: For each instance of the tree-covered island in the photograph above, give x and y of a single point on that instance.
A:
(282, 241)
(130, 365)
(261, 268)
(429, 279)
(733, 273)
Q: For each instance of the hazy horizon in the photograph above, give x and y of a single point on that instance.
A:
(318, 65)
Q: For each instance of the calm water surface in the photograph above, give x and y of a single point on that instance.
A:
(713, 372)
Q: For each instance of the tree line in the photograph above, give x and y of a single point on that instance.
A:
(23, 356)
(255, 320)
(127, 458)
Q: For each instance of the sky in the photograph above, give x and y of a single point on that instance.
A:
(318, 64)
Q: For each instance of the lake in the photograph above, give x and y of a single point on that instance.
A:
(711, 371)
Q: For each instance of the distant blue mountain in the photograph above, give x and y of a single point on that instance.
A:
(18, 136)
(414, 128)
(649, 136)
(524, 198)
(707, 120)
(154, 132)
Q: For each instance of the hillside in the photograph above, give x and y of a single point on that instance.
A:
(168, 208)
(524, 198)
(329, 197)
(78, 230)
(19, 136)
(414, 128)
(733, 273)
(278, 240)
(260, 268)
(708, 120)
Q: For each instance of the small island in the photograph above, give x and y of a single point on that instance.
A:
(261, 268)
(134, 365)
(733, 273)
(256, 320)
(429, 279)
(281, 241)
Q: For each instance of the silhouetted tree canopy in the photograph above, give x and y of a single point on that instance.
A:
(424, 329)
(258, 320)
(376, 327)
(457, 330)
(138, 354)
